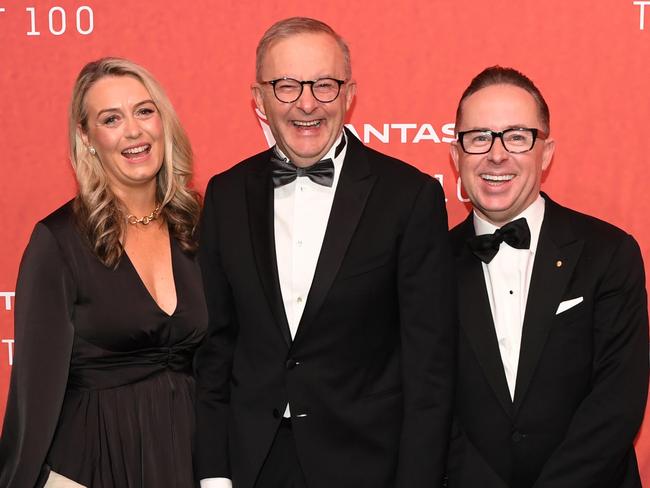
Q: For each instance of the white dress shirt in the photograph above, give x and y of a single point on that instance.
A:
(507, 279)
(300, 214)
(301, 210)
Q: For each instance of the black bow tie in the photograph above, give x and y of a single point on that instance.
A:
(321, 173)
(284, 172)
(516, 234)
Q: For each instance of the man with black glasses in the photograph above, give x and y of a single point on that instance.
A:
(553, 341)
(330, 354)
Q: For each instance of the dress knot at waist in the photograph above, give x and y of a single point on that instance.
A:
(121, 368)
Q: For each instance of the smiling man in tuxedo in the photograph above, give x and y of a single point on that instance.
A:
(330, 354)
(553, 341)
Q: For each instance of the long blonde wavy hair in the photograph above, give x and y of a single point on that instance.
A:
(101, 216)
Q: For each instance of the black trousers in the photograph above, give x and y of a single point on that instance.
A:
(281, 469)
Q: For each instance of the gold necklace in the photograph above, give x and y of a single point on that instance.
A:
(132, 219)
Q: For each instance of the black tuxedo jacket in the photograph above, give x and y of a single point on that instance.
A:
(369, 375)
(583, 374)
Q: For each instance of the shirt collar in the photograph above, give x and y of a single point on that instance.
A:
(534, 215)
(338, 160)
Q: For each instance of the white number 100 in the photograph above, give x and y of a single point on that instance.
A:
(57, 21)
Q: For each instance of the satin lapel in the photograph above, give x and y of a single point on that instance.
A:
(557, 253)
(350, 199)
(259, 194)
(476, 316)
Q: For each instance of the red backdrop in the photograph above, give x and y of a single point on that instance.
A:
(590, 59)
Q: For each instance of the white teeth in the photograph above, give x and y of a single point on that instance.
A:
(136, 150)
(311, 123)
(497, 177)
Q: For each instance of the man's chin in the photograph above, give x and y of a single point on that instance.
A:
(496, 214)
(306, 157)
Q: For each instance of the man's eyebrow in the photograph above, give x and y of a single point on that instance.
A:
(486, 129)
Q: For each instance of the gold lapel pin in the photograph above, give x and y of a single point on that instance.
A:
(558, 263)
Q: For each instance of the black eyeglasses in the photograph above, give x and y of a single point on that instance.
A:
(516, 140)
(288, 90)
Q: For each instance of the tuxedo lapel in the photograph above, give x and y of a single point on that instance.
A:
(350, 199)
(476, 316)
(259, 195)
(557, 253)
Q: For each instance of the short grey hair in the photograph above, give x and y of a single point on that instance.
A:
(291, 27)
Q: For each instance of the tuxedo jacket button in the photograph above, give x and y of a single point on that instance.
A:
(291, 363)
(276, 413)
(517, 436)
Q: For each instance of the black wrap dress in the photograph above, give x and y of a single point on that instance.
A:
(101, 388)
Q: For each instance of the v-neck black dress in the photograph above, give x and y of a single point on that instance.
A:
(102, 388)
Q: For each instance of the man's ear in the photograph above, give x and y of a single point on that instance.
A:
(256, 91)
(547, 155)
(453, 151)
(350, 92)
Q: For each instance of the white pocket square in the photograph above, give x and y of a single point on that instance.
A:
(567, 304)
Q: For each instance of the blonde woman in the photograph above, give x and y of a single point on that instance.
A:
(109, 304)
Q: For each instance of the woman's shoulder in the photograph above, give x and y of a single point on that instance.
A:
(61, 226)
(61, 218)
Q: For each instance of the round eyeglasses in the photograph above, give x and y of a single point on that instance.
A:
(516, 140)
(288, 90)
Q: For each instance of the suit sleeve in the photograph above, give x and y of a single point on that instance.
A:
(213, 364)
(43, 344)
(602, 431)
(428, 337)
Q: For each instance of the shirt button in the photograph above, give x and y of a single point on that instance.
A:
(299, 300)
(299, 243)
